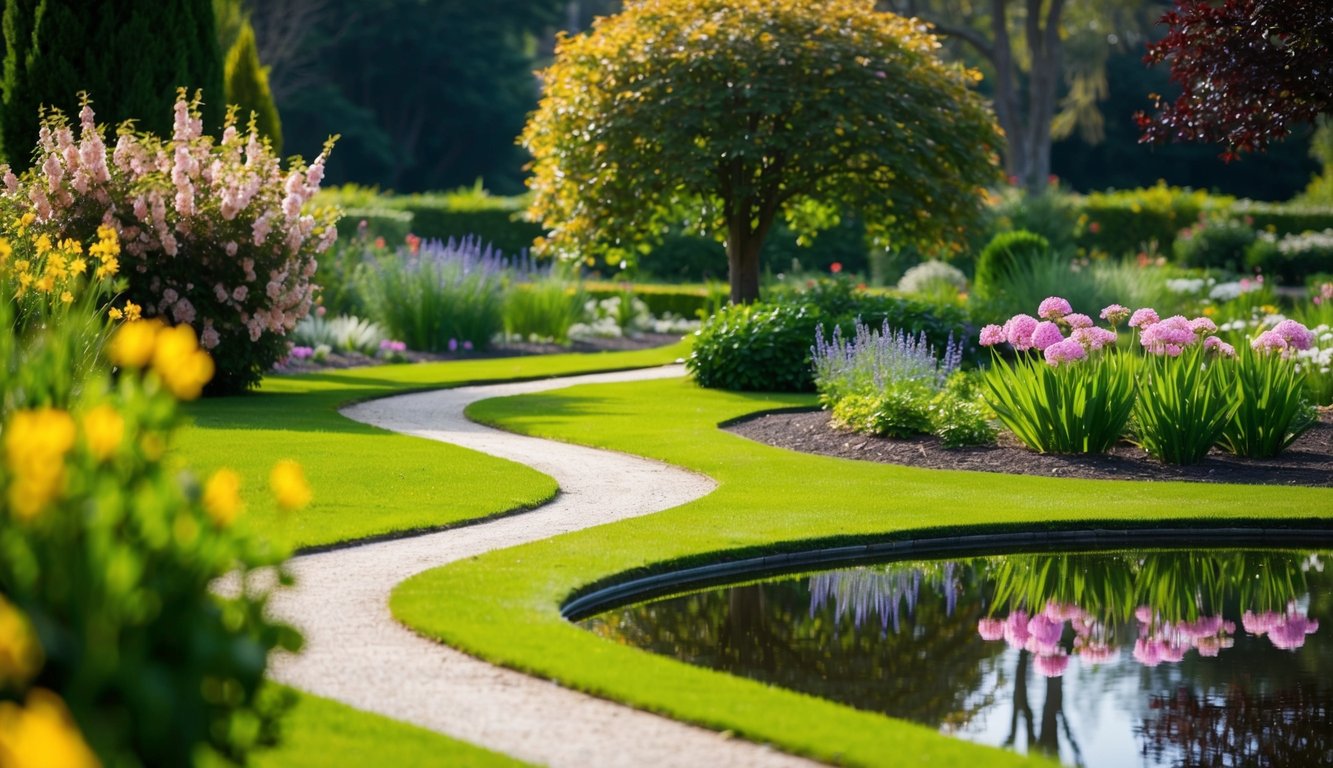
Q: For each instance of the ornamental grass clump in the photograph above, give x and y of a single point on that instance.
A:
(1270, 386)
(431, 293)
(1066, 391)
(214, 233)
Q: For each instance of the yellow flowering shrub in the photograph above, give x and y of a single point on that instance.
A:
(112, 648)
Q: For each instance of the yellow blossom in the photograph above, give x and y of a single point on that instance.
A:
(133, 311)
(222, 497)
(23, 222)
(67, 297)
(115, 314)
(42, 244)
(107, 268)
(103, 431)
(1209, 311)
(132, 346)
(287, 480)
(78, 266)
(6, 250)
(42, 734)
(1268, 309)
(183, 366)
(20, 655)
(36, 442)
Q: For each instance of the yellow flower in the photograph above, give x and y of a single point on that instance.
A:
(1209, 311)
(78, 266)
(36, 442)
(289, 485)
(1268, 309)
(114, 314)
(133, 311)
(67, 297)
(42, 734)
(42, 244)
(107, 268)
(103, 431)
(222, 497)
(183, 366)
(20, 655)
(132, 346)
(6, 250)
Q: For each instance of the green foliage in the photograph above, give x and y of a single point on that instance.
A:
(438, 297)
(247, 87)
(958, 420)
(1292, 259)
(934, 280)
(468, 211)
(1076, 408)
(1087, 286)
(688, 301)
(1272, 412)
(708, 112)
(1051, 214)
(1127, 222)
(766, 346)
(1184, 403)
(1006, 253)
(1215, 243)
(543, 309)
(1282, 218)
(896, 412)
(390, 225)
(56, 49)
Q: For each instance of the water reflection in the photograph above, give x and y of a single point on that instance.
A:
(1153, 658)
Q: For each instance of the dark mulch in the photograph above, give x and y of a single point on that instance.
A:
(1309, 461)
(508, 349)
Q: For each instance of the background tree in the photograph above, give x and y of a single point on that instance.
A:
(1045, 64)
(247, 87)
(56, 48)
(730, 114)
(1248, 71)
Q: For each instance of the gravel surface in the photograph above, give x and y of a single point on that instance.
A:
(356, 653)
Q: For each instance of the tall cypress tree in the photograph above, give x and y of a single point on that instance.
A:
(130, 57)
(247, 87)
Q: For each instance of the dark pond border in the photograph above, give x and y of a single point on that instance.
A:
(620, 593)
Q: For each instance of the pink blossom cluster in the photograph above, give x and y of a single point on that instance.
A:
(1286, 338)
(1172, 336)
(215, 233)
(1324, 295)
(1041, 635)
(1285, 630)
(1047, 335)
(1165, 641)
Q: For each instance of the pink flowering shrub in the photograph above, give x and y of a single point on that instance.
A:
(214, 233)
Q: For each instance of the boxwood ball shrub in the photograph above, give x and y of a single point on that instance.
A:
(1003, 254)
(214, 234)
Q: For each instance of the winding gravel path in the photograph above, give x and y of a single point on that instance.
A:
(355, 652)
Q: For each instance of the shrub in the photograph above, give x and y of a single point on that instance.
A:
(1051, 214)
(108, 550)
(767, 346)
(934, 279)
(696, 301)
(896, 412)
(437, 295)
(375, 224)
(246, 83)
(1184, 403)
(1282, 218)
(1093, 284)
(1291, 258)
(474, 212)
(343, 334)
(1003, 255)
(1272, 411)
(1123, 223)
(877, 361)
(213, 234)
(1215, 243)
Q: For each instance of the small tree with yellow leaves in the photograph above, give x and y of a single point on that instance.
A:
(728, 114)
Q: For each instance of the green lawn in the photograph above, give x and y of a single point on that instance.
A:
(505, 606)
(367, 481)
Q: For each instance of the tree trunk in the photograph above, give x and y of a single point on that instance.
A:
(743, 263)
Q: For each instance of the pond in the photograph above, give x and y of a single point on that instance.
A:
(1150, 658)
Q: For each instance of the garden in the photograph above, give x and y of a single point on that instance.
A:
(794, 410)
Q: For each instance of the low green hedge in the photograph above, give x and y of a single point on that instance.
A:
(1282, 218)
(392, 225)
(688, 301)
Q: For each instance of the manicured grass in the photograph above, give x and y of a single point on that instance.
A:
(320, 733)
(367, 481)
(505, 606)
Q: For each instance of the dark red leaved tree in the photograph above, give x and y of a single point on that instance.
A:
(1248, 71)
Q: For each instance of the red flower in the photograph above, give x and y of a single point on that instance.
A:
(835, 267)
(1095, 227)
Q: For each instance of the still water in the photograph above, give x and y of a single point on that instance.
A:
(1195, 658)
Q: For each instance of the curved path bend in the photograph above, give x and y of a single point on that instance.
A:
(357, 653)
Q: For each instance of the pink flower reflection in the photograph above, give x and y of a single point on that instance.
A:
(1051, 665)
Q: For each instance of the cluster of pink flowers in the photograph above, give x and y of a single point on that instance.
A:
(1285, 630)
(1286, 338)
(1047, 335)
(1324, 295)
(213, 233)
(392, 346)
(1041, 635)
(1175, 334)
(1165, 641)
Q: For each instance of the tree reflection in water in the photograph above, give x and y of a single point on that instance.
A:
(1203, 658)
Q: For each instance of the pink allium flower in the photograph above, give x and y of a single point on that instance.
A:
(467, 345)
(1290, 633)
(1145, 614)
(302, 353)
(1064, 611)
(1295, 334)
(1045, 630)
(1078, 320)
(991, 629)
(1016, 629)
(1219, 347)
(1203, 326)
(1046, 334)
(1067, 351)
(992, 335)
(1018, 330)
(1269, 341)
(1053, 308)
(1051, 665)
(1142, 317)
(1167, 336)
(1094, 338)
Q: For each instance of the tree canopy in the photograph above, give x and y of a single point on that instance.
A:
(1248, 70)
(729, 114)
